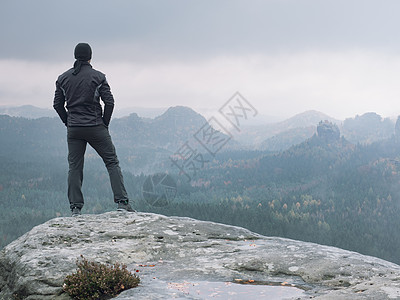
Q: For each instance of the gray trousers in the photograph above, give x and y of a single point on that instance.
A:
(99, 138)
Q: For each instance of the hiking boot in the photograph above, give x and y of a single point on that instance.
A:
(76, 211)
(125, 206)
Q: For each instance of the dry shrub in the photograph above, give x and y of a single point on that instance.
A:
(93, 280)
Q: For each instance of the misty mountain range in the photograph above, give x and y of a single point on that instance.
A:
(142, 143)
(176, 125)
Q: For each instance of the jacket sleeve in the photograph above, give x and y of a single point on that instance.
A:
(59, 103)
(108, 99)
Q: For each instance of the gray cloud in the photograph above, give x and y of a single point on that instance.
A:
(46, 29)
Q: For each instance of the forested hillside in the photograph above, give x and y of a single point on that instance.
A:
(326, 189)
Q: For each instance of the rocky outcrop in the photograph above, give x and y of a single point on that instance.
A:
(328, 131)
(178, 257)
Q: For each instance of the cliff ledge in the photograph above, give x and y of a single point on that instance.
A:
(172, 253)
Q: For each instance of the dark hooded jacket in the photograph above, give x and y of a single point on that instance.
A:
(77, 97)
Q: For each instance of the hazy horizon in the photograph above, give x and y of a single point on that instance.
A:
(153, 112)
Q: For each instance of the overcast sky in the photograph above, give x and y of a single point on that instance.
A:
(341, 57)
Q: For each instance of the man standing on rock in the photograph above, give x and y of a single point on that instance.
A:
(77, 102)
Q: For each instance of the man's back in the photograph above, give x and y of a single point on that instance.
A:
(82, 93)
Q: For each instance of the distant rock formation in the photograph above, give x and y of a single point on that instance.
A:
(172, 253)
(328, 131)
(367, 128)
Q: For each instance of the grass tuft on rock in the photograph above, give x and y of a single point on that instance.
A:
(94, 280)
